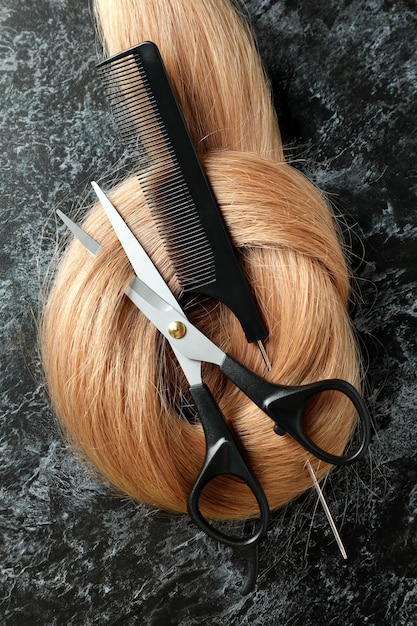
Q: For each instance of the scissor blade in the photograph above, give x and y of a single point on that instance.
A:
(88, 242)
(192, 344)
(192, 368)
(140, 261)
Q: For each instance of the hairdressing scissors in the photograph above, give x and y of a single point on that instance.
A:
(285, 405)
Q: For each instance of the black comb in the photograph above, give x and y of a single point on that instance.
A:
(174, 184)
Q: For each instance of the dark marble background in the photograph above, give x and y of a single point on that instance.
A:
(344, 79)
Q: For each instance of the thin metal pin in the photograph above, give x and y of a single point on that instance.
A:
(264, 354)
(313, 476)
(326, 509)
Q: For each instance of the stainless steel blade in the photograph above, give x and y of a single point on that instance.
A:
(88, 242)
(139, 259)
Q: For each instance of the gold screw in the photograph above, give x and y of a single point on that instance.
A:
(177, 330)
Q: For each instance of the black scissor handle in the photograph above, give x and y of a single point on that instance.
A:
(223, 457)
(285, 405)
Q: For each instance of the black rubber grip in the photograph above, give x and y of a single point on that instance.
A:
(223, 457)
(285, 406)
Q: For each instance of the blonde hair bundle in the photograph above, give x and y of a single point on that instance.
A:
(113, 381)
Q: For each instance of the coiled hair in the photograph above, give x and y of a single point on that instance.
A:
(113, 381)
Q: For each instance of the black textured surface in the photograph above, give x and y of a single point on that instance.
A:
(344, 80)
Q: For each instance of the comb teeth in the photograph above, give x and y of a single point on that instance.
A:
(143, 130)
(174, 184)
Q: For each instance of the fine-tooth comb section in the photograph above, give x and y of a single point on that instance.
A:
(173, 182)
(146, 138)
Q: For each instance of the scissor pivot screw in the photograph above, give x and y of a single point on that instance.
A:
(177, 330)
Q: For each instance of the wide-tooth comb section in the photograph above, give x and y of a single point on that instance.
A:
(173, 182)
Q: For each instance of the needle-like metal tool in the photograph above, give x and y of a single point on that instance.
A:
(313, 476)
(326, 509)
(264, 354)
